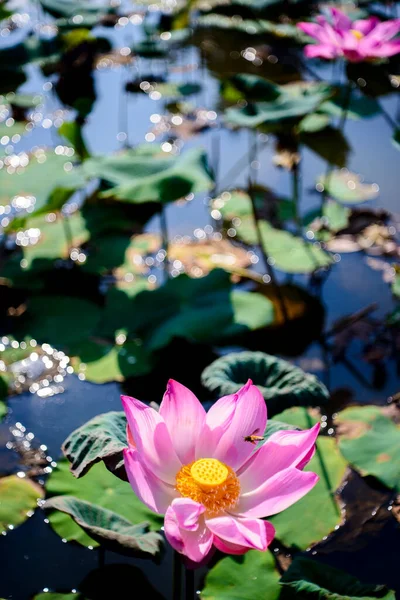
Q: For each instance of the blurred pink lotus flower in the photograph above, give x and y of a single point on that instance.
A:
(357, 41)
(212, 485)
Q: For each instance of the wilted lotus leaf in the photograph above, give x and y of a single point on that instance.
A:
(18, 500)
(369, 439)
(198, 258)
(347, 187)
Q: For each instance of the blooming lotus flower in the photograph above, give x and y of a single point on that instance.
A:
(357, 41)
(213, 486)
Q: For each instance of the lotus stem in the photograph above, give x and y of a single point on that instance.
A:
(189, 584)
(165, 239)
(67, 231)
(176, 576)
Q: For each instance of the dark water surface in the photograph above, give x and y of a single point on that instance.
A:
(33, 557)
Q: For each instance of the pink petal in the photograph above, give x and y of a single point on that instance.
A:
(150, 434)
(242, 532)
(250, 416)
(340, 19)
(284, 449)
(217, 421)
(229, 548)
(321, 51)
(386, 50)
(153, 492)
(184, 417)
(193, 544)
(366, 25)
(385, 31)
(277, 493)
(187, 513)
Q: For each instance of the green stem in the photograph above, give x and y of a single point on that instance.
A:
(67, 231)
(165, 240)
(342, 123)
(324, 470)
(176, 576)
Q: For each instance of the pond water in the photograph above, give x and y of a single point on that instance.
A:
(34, 558)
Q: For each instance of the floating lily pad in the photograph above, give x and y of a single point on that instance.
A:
(282, 384)
(50, 178)
(106, 527)
(294, 101)
(98, 486)
(252, 575)
(347, 187)
(101, 438)
(101, 363)
(311, 579)
(18, 500)
(202, 310)
(147, 174)
(314, 122)
(58, 320)
(370, 441)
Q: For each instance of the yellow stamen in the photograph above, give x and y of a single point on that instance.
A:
(209, 482)
(357, 34)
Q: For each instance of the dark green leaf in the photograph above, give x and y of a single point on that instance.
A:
(147, 174)
(106, 527)
(311, 580)
(249, 577)
(103, 488)
(101, 438)
(282, 384)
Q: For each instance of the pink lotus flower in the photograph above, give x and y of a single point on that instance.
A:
(357, 41)
(212, 485)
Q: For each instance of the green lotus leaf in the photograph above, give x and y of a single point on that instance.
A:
(108, 528)
(317, 514)
(101, 438)
(370, 441)
(147, 174)
(347, 187)
(18, 500)
(252, 575)
(360, 106)
(282, 384)
(294, 101)
(101, 487)
(50, 178)
(70, 8)
(312, 580)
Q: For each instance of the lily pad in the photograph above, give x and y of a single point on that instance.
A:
(203, 310)
(101, 363)
(318, 513)
(311, 579)
(106, 527)
(61, 321)
(69, 8)
(50, 178)
(370, 441)
(314, 122)
(98, 486)
(18, 500)
(347, 187)
(147, 174)
(294, 101)
(101, 438)
(252, 575)
(282, 384)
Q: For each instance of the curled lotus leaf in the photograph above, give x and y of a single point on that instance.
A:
(281, 384)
